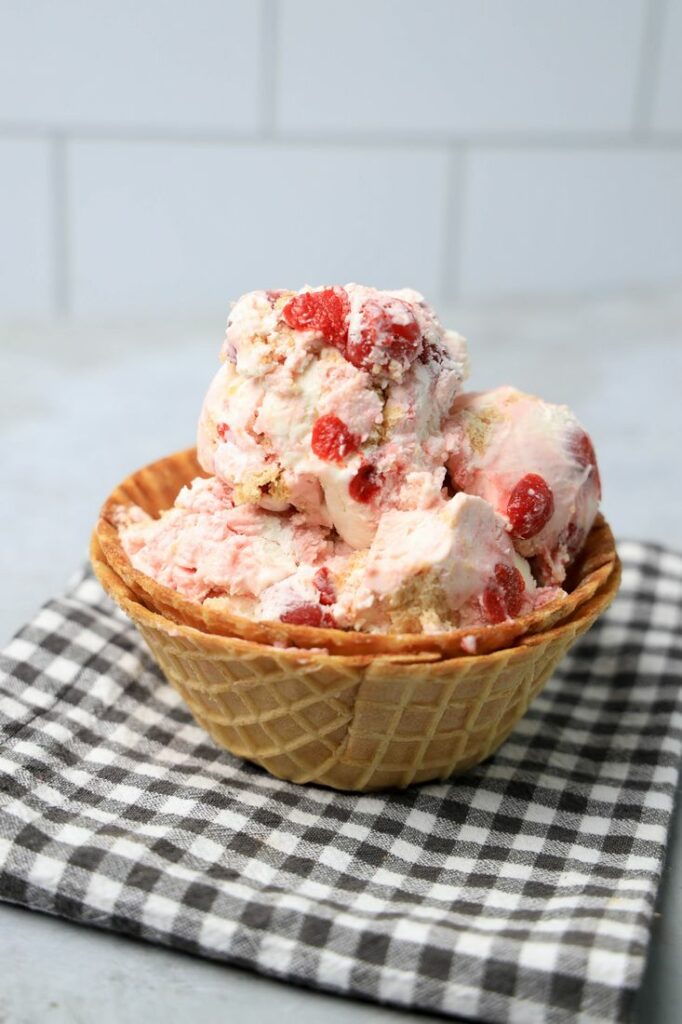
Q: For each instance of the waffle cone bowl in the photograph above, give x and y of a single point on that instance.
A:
(352, 711)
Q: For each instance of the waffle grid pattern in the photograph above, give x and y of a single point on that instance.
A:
(354, 728)
(520, 891)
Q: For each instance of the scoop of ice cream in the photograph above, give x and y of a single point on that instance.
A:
(536, 466)
(432, 570)
(207, 547)
(332, 401)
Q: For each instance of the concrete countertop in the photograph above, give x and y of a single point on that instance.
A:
(83, 405)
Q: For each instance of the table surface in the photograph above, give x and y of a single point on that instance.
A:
(82, 405)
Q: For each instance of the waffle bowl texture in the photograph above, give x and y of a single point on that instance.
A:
(378, 712)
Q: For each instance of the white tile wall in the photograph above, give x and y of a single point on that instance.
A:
(179, 228)
(142, 63)
(26, 228)
(163, 156)
(668, 94)
(459, 67)
(539, 221)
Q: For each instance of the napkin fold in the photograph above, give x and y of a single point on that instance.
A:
(522, 891)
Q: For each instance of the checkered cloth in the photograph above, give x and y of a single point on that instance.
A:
(522, 891)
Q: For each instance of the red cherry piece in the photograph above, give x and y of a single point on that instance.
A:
(511, 583)
(325, 311)
(223, 430)
(381, 337)
(307, 614)
(365, 484)
(323, 582)
(328, 621)
(582, 450)
(404, 338)
(503, 598)
(530, 506)
(493, 604)
(358, 351)
(431, 353)
(332, 440)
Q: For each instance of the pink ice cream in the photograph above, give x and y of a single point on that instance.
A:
(208, 548)
(352, 483)
(534, 463)
(429, 569)
(459, 568)
(332, 402)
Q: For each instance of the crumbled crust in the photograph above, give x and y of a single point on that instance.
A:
(419, 603)
(355, 562)
(478, 426)
(250, 491)
(393, 413)
(276, 488)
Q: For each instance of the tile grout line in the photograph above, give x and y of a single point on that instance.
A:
(648, 70)
(60, 262)
(453, 216)
(269, 10)
(126, 135)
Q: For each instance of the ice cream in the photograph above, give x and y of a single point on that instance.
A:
(459, 568)
(429, 568)
(208, 548)
(332, 401)
(535, 464)
(352, 484)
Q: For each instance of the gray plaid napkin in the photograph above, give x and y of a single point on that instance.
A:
(521, 892)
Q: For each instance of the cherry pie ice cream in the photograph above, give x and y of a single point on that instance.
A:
(351, 482)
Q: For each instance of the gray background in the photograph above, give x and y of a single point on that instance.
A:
(519, 163)
(160, 157)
